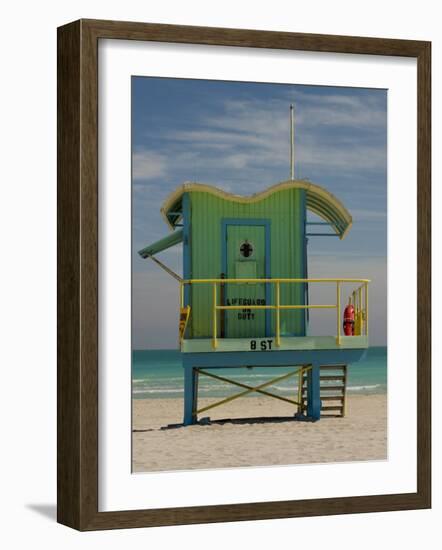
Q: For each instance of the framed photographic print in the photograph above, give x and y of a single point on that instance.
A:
(243, 274)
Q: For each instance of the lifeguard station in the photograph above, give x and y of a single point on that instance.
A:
(244, 294)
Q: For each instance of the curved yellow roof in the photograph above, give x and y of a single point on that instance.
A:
(319, 201)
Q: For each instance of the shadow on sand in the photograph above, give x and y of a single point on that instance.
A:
(222, 421)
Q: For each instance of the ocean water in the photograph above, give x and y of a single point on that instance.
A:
(158, 374)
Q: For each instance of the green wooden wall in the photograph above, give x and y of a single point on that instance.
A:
(286, 212)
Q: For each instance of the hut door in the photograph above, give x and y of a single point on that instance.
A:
(245, 258)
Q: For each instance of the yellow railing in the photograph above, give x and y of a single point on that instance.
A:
(359, 299)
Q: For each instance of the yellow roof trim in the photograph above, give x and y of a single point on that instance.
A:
(313, 190)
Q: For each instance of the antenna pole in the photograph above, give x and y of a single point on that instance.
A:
(292, 141)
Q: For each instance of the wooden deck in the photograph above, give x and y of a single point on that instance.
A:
(268, 344)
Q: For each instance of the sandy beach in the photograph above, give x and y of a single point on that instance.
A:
(249, 440)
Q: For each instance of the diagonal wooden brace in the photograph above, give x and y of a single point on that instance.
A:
(248, 389)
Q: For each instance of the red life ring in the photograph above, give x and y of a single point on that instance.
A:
(349, 320)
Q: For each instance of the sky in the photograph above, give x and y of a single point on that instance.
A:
(235, 136)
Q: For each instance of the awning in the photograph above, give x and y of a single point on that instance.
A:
(163, 244)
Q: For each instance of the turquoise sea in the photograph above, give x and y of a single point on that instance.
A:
(159, 374)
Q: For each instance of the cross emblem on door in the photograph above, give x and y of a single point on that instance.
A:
(246, 249)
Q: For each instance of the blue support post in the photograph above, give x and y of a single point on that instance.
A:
(187, 259)
(314, 393)
(190, 394)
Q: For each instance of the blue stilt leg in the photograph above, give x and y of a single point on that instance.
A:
(314, 393)
(190, 395)
(195, 393)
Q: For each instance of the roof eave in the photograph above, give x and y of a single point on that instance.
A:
(333, 210)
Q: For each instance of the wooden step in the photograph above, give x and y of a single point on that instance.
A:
(328, 368)
(336, 402)
(328, 398)
(327, 407)
(327, 388)
(331, 377)
(331, 397)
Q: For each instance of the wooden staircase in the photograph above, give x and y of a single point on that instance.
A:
(333, 380)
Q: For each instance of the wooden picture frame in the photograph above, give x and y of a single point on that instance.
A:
(78, 274)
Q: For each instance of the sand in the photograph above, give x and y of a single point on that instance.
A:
(259, 441)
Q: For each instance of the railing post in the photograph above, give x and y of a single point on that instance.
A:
(338, 309)
(278, 315)
(360, 313)
(181, 294)
(366, 309)
(214, 342)
(222, 313)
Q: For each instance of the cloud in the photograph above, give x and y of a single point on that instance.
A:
(242, 145)
(253, 135)
(311, 111)
(148, 165)
(352, 158)
(343, 111)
